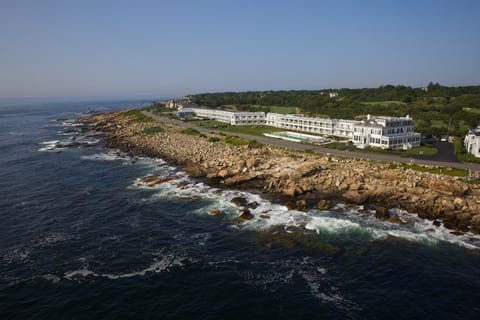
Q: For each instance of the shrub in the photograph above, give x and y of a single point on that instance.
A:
(152, 130)
(213, 139)
(191, 131)
(137, 114)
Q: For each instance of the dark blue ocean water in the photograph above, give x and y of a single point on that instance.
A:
(81, 239)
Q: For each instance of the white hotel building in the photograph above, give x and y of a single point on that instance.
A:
(232, 117)
(324, 126)
(386, 132)
(381, 132)
(472, 142)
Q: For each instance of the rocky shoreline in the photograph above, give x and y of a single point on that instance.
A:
(300, 179)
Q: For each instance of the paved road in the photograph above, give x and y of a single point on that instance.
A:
(298, 146)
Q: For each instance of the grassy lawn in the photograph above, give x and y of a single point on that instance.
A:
(210, 124)
(427, 150)
(423, 150)
(252, 130)
(190, 131)
(472, 110)
(437, 170)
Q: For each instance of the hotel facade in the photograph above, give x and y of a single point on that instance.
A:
(380, 132)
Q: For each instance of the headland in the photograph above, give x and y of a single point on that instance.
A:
(300, 179)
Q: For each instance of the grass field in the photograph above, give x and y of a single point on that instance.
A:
(427, 150)
(438, 170)
(252, 130)
(472, 110)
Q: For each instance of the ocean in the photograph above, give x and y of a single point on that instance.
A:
(82, 238)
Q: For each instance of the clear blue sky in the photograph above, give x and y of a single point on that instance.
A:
(170, 48)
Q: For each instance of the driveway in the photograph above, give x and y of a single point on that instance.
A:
(445, 153)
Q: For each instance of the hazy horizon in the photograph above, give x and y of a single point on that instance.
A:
(157, 49)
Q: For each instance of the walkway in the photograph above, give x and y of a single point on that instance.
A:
(344, 153)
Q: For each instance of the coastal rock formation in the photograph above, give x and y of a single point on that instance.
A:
(306, 178)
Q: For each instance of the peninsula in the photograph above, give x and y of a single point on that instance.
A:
(301, 179)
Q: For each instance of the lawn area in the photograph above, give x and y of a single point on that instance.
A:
(472, 110)
(427, 150)
(423, 150)
(190, 131)
(252, 130)
(438, 170)
(210, 124)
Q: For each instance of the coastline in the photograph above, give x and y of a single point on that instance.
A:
(300, 180)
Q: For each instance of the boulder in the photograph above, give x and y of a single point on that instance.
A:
(223, 173)
(252, 205)
(215, 212)
(246, 215)
(381, 213)
(251, 162)
(301, 205)
(239, 201)
(323, 204)
(355, 197)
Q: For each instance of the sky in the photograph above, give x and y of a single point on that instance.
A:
(140, 48)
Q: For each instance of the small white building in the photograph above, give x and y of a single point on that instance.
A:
(472, 142)
(386, 132)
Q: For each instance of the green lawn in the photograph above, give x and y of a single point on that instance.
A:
(438, 170)
(210, 124)
(472, 110)
(427, 150)
(252, 130)
(190, 131)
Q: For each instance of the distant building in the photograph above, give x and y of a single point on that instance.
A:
(333, 94)
(472, 142)
(171, 104)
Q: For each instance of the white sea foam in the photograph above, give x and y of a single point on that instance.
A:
(341, 220)
(158, 265)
